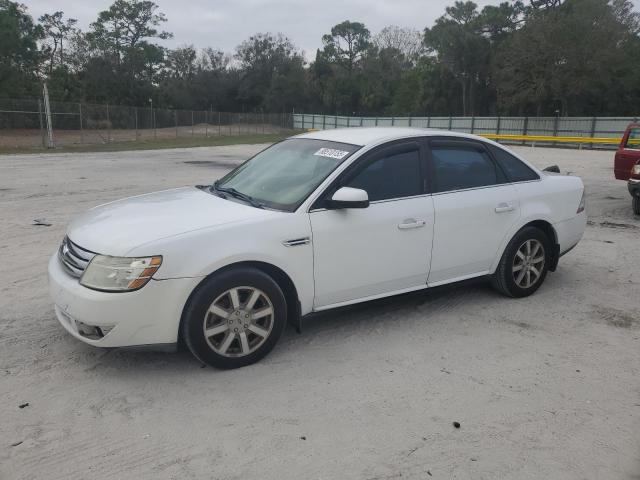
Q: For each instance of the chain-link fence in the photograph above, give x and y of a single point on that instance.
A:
(23, 123)
(605, 132)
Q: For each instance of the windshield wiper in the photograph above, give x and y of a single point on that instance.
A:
(235, 193)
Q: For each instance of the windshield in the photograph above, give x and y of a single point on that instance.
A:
(285, 174)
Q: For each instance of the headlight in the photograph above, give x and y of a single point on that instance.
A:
(119, 274)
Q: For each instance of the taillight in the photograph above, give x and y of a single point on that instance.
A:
(582, 203)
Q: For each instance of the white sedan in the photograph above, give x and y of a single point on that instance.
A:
(317, 221)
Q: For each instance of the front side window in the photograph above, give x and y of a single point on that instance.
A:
(285, 174)
(395, 175)
(516, 170)
(633, 141)
(462, 167)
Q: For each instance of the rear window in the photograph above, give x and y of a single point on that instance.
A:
(462, 167)
(516, 170)
(633, 142)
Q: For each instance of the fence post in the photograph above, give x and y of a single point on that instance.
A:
(206, 124)
(192, 123)
(154, 123)
(41, 123)
(525, 128)
(175, 116)
(593, 130)
(135, 116)
(556, 121)
(376, 121)
(324, 122)
(219, 127)
(81, 130)
(409, 120)
(393, 121)
(429, 121)
(108, 126)
(450, 122)
(473, 124)
(498, 125)
(360, 121)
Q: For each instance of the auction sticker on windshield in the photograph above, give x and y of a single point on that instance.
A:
(332, 153)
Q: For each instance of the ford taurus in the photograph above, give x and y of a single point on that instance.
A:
(317, 221)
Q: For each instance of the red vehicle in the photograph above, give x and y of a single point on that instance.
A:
(627, 163)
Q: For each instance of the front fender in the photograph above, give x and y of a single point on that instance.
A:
(200, 253)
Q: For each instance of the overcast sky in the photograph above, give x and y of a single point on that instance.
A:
(223, 24)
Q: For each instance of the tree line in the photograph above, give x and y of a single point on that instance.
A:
(544, 57)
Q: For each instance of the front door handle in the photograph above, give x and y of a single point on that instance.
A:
(411, 223)
(505, 207)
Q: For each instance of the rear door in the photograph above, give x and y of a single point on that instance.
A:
(628, 153)
(474, 209)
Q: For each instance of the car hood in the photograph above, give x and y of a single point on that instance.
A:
(117, 227)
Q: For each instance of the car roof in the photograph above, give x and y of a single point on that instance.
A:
(364, 136)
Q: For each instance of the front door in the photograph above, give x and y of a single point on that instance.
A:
(384, 248)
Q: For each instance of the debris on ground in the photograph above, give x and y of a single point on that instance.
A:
(456, 424)
(23, 405)
(41, 222)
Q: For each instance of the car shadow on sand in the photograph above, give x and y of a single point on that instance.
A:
(358, 317)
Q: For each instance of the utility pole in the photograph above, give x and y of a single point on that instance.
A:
(47, 111)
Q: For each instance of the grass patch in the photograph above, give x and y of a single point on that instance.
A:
(185, 142)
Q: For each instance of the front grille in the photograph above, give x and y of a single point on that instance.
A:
(74, 258)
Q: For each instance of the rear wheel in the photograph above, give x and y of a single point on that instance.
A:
(636, 204)
(235, 318)
(524, 264)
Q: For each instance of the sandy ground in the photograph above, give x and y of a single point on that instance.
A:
(543, 387)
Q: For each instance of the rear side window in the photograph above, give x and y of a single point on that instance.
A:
(633, 142)
(516, 170)
(461, 167)
(395, 175)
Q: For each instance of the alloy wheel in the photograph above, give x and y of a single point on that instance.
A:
(238, 322)
(528, 263)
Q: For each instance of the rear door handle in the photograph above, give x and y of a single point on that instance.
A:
(505, 207)
(411, 223)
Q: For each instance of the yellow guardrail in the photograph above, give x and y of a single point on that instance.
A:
(551, 138)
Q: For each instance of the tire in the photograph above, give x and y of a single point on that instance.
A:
(636, 204)
(241, 331)
(514, 276)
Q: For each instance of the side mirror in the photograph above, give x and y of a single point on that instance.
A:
(347, 197)
(553, 169)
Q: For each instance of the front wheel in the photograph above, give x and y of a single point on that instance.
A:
(524, 264)
(636, 204)
(234, 318)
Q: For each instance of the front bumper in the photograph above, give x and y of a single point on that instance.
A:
(149, 316)
(634, 187)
